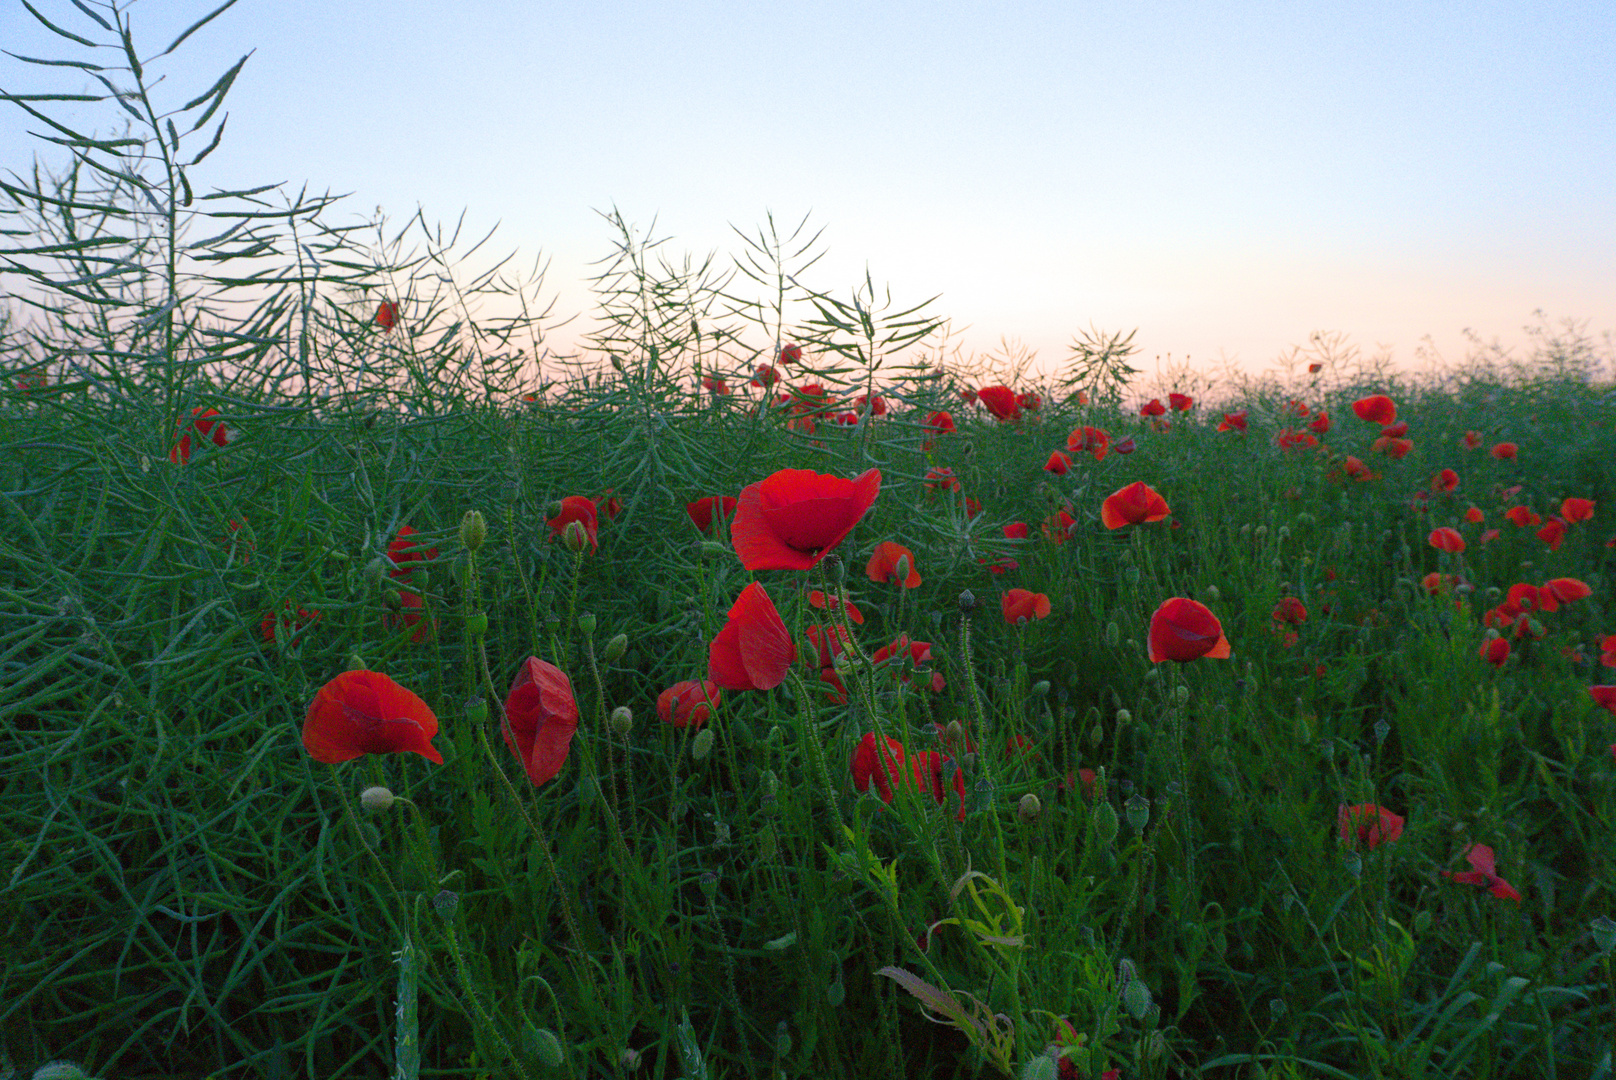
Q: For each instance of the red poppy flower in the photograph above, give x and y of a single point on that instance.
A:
(967, 395)
(1522, 517)
(1133, 505)
(1000, 401)
(765, 376)
(927, 766)
(36, 379)
(402, 552)
(754, 650)
(1435, 583)
(830, 642)
(365, 712)
(1029, 402)
(1298, 407)
(1392, 447)
(1552, 533)
(1003, 564)
(1395, 431)
(1607, 650)
(207, 428)
(1021, 605)
(1495, 651)
(831, 603)
(877, 404)
(1081, 397)
(610, 503)
(941, 478)
(1314, 369)
(1233, 421)
(847, 419)
(1448, 540)
(1320, 424)
(1153, 407)
(792, 519)
(1446, 480)
(1378, 409)
(580, 509)
(688, 703)
(837, 693)
(1604, 697)
(1290, 439)
(1356, 469)
(791, 354)
(1290, 610)
(1474, 515)
(881, 765)
(1180, 402)
(1058, 526)
(1562, 590)
(940, 422)
(1471, 440)
(919, 653)
(973, 507)
(1182, 630)
(1505, 451)
(288, 626)
(1368, 824)
(1090, 440)
(1058, 463)
(883, 565)
(701, 511)
(715, 386)
(1485, 874)
(387, 316)
(413, 604)
(1575, 510)
(1016, 530)
(540, 719)
(1124, 446)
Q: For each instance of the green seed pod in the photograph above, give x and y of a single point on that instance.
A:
(1182, 693)
(1040, 688)
(473, 530)
(477, 624)
(1096, 735)
(1422, 922)
(355, 662)
(712, 549)
(702, 744)
(782, 1039)
(615, 648)
(477, 711)
(1124, 718)
(1212, 593)
(586, 623)
(967, 601)
(1137, 809)
(835, 994)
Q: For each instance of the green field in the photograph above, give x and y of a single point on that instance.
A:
(1374, 840)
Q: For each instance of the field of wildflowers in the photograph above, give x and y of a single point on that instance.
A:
(766, 691)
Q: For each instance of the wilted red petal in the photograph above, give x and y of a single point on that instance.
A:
(1368, 823)
(541, 716)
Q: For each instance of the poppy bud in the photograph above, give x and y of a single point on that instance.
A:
(1137, 809)
(712, 549)
(702, 744)
(770, 783)
(1130, 574)
(473, 530)
(1260, 532)
(1042, 1067)
(58, 1070)
(630, 1059)
(477, 710)
(1152, 675)
(477, 624)
(393, 599)
(967, 601)
(586, 623)
(574, 537)
(1041, 687)
(1284, 532)
(835, 569)
(615, 648)
(622, 719)
(1212, 592)
(1113, 634)
(1491, 634)
(355, 662)
(1182, 694)
(1028, 808)
(1105, 823)
(782, 1039)
(900, 569)
(1245, 531)
(1422, 922)
(1124, 718)
(376, 570)
(1096, 735)
(376, 799)
(617, 362)
(1494, 592)
(953, 733)
(542, 1044)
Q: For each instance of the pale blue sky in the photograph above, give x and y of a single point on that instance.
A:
(1226, 177)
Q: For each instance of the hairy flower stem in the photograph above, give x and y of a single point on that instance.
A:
(479, 1014)
(602, 723)
(808, 732)
(982, 724)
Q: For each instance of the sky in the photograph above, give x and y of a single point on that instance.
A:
(1226, 178)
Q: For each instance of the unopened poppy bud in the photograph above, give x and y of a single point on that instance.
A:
(900, 569)
(967, 601)
(615, 648)
(1137, 809)
(1212, 592)
(1245, 532)
(1042, 1067)
(1040, 688)
(622, 719)
(477, 623)
(630, 1059)
(770, 783)
(954, 734)
(835, 569)
(1422, 922)
(553, 508)
(58, 1070)
(1182, 694)
(1284, 532)
(376, 799)
(712, 549)
(1124, 718)
(617, 362)
(1096, 735)
(1130, 574)
(841, 662)
(1028, 808)
(574, 537)
(1494, 592)
(1113, 634)
(1260, 532)
(393, 599)
(1491, 634)
(473, 530)
(586, 623)
(702, 744)
(782, 1039)
(355, 662)
(1152, 675)
(1105, 823)
(376, 570)
(543, 1044)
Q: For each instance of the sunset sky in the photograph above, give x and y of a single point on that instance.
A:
(1227, 178)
